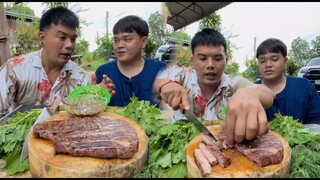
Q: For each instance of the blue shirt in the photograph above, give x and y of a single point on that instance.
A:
(139, 86)
(298, 99)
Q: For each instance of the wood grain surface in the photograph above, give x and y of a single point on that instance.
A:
(44, 163)
(240, 167)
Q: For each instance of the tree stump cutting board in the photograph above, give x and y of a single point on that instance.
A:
(240, 167)
(44, 163)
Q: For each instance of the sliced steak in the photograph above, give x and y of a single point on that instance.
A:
(96, 136)
(222, 160)
(264, 151)
(211, 158)
(202, 162)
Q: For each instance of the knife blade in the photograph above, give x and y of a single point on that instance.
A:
(201, 127)
(20, 108)
(45, 114)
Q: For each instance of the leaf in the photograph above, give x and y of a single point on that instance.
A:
(165, 161)
(13, 164)
(178, 170)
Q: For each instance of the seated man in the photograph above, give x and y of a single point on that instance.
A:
(132, 74)
(294, 96)
(206, 89)
(38, 77)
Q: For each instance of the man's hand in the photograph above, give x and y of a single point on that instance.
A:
(107, 84)
(173, 94)
(245, 118)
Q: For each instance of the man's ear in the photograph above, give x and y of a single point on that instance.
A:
(144, 41)
(41, 38)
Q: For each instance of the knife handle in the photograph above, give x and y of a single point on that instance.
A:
(52, 108)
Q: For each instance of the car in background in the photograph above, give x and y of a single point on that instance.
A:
(312, 72)
(161, 50)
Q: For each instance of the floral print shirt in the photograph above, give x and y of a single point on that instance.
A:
(207, 110)
(24, 81)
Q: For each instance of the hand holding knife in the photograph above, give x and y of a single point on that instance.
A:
(194, 120)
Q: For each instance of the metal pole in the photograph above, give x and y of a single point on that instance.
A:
(107, 17)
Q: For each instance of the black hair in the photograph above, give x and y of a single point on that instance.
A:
(272, 45)
(132, 23)
(208, 37)
(58, 15)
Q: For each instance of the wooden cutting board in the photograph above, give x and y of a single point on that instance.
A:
(45, 164)
(240, 166)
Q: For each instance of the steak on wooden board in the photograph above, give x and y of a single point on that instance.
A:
(264, 151)
(96, 136)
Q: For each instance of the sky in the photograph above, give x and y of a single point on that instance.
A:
(245, 20)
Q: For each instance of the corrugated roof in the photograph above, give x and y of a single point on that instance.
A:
(185, 13)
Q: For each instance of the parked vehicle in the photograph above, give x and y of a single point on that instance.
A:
(312, 72)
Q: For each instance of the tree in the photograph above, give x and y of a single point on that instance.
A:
(292, 68)
(105, 47)
(315, 47)
(211, 21)
(20, 8)
(232, 68)
(82, 46)
(27, 33)
(300, 52)
(156, 34)
(252, 71)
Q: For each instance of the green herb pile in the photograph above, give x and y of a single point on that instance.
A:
(305, 145)
(149, 117)
(167, 151)
(13, 134)
(167, 141)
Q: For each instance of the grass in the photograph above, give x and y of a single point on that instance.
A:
(90, 64)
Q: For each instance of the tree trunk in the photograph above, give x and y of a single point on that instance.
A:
(4, 36)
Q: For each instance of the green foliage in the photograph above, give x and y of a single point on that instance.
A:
(149, 117)
(211, 21)
(184, 57)
(315, 47)
(300, 53)
(13, 133)
(252, 71)
(82, 46)
(90, 63)
(180, 34)
(105, 47)
(232, 68)
(21, 8)
(150, 49)
(167, 151)
(292, 68)
(156, 29)
(305, 146)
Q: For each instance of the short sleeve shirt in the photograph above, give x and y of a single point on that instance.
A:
(207, 110)
(24, 81)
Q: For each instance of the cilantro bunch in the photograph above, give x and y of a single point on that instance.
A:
(13, 134)
(305, 145)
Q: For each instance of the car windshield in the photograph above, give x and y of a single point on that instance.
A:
(314, 62)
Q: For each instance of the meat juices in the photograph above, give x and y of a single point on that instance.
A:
(96, 136)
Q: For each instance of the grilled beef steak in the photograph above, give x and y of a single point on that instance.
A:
(263, 151)
(96, 136)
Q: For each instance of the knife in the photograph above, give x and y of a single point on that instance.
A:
(20, 108)
(201, 127)
(45, 114)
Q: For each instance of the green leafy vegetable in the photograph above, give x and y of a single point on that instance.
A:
(149, 117)
(305, 145)
(13, 134)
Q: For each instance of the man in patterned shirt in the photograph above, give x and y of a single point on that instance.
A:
(38, 77)
(205, 89)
